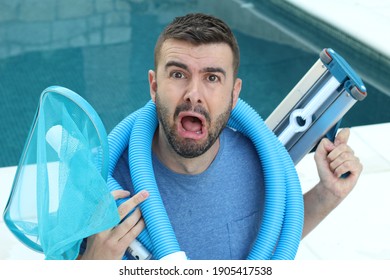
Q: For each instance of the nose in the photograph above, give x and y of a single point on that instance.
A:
(194, 92)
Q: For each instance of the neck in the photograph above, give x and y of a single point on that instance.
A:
(179, 164)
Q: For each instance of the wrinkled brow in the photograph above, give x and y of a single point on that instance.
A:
(205, 70)
(177, 64)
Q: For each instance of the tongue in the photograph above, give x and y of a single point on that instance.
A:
(191, 124)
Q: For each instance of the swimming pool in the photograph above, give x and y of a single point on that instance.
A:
(103, 50)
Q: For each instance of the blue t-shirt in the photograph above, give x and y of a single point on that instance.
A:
(215, 214)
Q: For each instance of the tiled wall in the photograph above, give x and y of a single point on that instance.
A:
(24, 24)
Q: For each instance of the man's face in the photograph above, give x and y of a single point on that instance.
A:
(194, 91)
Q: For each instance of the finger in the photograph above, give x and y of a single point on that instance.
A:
(133, 202)
(132, 233)
(340, 152)
(120, 194)
(324, 147)
(342, 169)
(354, 167)
(127, 224)
(341, 159)
(342, 137)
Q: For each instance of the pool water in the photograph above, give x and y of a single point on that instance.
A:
(103, 49)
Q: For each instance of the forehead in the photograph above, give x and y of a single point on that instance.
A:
(204, 55)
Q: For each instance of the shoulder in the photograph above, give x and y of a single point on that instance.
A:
(238, 151)
(234, 140)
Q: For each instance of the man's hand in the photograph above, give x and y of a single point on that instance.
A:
(335, 159)
(339, 170)
(111, 244)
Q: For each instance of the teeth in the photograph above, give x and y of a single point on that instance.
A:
(197, 132)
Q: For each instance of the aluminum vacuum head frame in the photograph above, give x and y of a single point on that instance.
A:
(315, 106)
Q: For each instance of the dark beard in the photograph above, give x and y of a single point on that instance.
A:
(189, 148)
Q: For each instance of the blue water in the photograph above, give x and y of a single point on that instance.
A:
(103, 50)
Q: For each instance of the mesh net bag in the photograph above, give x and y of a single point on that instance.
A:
(59, 195)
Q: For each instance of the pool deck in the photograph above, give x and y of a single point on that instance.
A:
(366, 20)
(359, 228)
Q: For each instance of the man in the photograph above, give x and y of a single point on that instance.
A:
(209, 176)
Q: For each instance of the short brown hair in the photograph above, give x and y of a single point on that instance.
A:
(199, 29)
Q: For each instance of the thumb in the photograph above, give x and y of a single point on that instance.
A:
(342, 137)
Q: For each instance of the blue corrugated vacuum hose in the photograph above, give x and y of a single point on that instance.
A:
(280, 232)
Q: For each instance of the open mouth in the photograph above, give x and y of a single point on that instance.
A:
(192, 125)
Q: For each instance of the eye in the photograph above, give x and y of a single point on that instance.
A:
(177, 75)
(213, 78)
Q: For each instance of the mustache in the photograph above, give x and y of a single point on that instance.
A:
(185, 107)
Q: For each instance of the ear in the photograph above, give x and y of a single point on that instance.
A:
(152, 84)
(236, 91)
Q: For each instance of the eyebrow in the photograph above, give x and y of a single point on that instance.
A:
(214, 70)
(204, 70)
(177, 64)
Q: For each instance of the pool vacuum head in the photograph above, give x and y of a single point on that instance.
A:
(314, 107)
